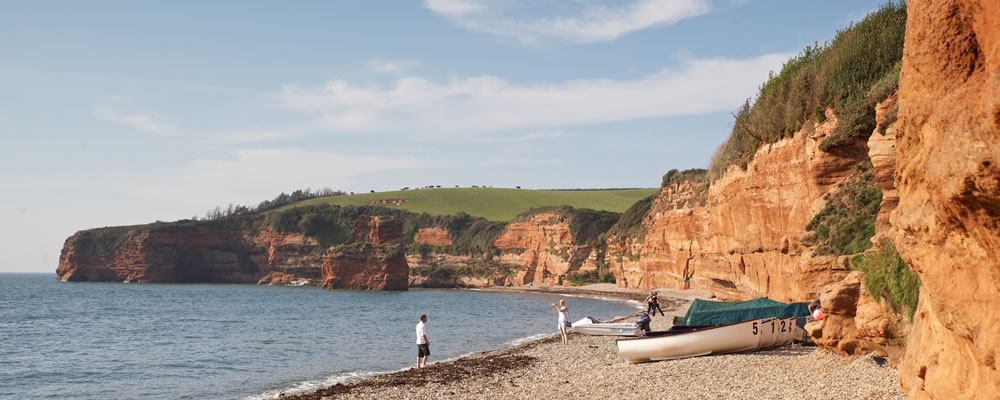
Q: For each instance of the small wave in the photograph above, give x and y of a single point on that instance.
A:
(532, 338)
(636, 303)
(307, 386)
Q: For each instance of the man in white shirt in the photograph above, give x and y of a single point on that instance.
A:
(423, 345)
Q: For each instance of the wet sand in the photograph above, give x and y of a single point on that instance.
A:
(589, 367)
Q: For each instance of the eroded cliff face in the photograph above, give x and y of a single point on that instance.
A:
(433, 236)
(947, 224)
(855, 323)
(746, 240)
(197, 254)
(374, 258)
(544, 249)
(291, 257)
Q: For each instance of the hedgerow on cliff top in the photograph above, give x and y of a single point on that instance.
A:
(841, 75)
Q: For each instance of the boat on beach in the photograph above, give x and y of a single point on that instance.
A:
(591, 326)
(693, 341)
(684, 343)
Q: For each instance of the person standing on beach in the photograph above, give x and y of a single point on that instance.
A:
(654, 303)
(563, 313)
(423, 345)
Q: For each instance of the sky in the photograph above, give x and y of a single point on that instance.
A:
(129, 112)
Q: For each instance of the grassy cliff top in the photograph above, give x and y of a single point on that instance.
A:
(494, 204)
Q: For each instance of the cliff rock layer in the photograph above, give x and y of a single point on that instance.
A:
(374, 259)
(545, 250)
(433, 236)
(376, 230)
(947, 225)
(746, 240)
(194, 254)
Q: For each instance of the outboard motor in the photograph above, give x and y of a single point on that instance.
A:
(643, 322)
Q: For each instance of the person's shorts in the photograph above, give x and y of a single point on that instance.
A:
(423, 350)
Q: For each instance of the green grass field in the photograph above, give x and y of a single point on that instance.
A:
(494, 204)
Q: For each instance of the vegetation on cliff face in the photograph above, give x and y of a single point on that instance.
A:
(674, 176)
(104, 241)
(847, 75)
(587, 226)
(846, 224)
(601, 275)
(475, 268)
(630, 223)
(888, 278)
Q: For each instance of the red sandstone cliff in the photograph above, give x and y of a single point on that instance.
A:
(747, 239)
(374, 258)
(200, 253)
(376, 230)
(855, 323)
(433, 236)
(947, 224)
(544, 249)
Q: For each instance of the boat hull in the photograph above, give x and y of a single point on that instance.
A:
(721, 339)
(589, 326)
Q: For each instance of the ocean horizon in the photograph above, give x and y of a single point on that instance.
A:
(222, 341)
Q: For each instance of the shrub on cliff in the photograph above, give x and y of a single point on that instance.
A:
(846, 224)
(630, 223)
(587, 226)
(887, 277)
(674, 176)
(601, 275)
(839, 75)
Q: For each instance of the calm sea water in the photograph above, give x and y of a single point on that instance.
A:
(164, 341)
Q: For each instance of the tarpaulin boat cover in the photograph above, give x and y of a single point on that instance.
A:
(707, 312)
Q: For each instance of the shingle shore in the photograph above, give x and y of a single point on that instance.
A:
(589, 367)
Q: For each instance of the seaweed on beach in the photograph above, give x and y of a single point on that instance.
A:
(441, 373)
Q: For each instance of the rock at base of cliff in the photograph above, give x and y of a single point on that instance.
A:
(854, 324)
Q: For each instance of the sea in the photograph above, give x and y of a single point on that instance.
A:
(88, 340)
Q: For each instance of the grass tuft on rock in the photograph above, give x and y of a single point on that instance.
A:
(846, 224)
(889, 278)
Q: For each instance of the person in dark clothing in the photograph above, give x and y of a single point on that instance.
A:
(815, 305)
(653, 304)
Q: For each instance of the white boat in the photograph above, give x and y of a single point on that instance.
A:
(769, 334)
(591, 326)
(794, 331)
(717, 339)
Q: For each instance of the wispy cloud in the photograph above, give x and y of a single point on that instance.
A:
(533, 136)
(593, 23)
(113, 111)
(455, 8)
(483, 105)
(391, 66)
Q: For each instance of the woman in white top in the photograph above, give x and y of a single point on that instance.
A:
(563, 313)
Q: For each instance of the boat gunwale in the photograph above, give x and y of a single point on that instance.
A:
(668, 333)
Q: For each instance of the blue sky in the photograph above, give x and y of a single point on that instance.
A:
(117, 112)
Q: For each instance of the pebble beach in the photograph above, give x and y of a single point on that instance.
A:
(590, 367)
